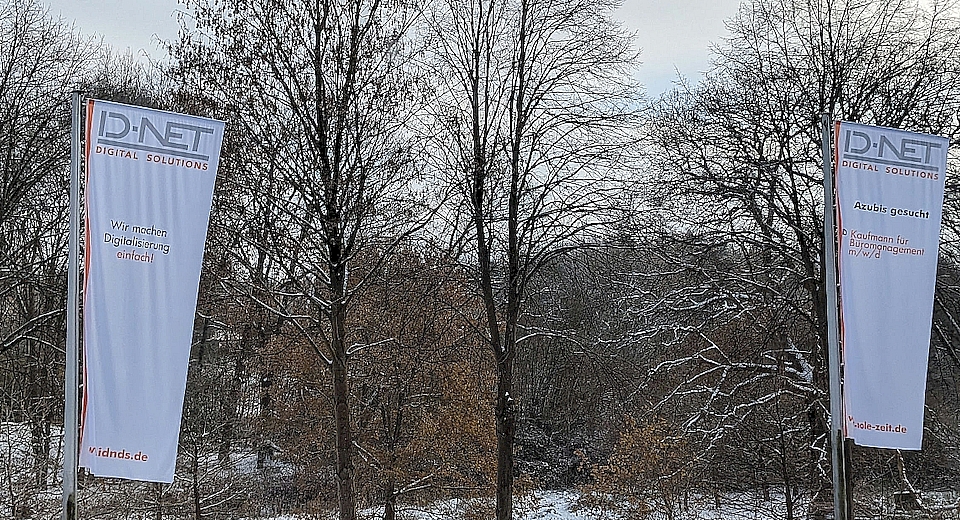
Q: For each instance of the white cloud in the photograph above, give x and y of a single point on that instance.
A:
(134, 26)
(672, 34)
(675, 35)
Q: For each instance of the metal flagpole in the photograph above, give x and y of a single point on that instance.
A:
(840, 490)
(71, 400)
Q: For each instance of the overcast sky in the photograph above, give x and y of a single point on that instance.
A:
(672, 34)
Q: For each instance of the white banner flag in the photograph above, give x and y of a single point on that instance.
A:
(150, 178)
(889, 195)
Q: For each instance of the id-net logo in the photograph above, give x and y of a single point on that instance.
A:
(901, 153)
(170, 138)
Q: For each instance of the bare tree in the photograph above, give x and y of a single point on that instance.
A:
(321, 91)
(740, 156)
(535, 97)
(41, 59)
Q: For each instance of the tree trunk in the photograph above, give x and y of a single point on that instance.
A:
(786, 475)
(506, 412)
(158, 514)
(789, 500)
(390, 502)
(341, 416)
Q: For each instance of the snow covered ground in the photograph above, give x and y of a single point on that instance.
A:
(547, 505)
(16, 465)
(565, 505)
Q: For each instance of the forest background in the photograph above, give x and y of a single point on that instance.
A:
(456, 253)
